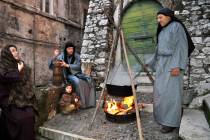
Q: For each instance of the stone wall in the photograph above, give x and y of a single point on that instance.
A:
(98, 35)
(196, 14)
(95, 46)
(36, 33)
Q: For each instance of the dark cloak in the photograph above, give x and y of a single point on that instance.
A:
(21, 94)
(17, 117)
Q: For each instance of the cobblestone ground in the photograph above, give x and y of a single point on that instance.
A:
(77, 123)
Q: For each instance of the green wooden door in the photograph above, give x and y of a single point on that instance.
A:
(139, 26)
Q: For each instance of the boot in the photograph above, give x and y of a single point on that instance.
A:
(167, 129)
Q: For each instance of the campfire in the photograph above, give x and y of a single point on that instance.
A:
(119, 105)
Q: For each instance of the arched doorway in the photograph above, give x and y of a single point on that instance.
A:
(139, 26)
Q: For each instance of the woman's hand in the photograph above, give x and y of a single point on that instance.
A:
(76, 100)
(56, 53)
(175, 72)
(20, 66)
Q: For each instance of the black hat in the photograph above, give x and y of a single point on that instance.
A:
(166, 12)
(69, 44)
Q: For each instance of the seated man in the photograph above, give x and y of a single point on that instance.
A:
(71, 63)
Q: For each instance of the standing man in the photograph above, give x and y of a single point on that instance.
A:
(169, 61)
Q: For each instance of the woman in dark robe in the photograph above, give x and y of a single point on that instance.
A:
(71, 63)
(17, 100)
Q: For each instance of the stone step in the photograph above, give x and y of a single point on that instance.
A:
(55, 134)
(194, 125)
(145, 89)
(197, 102)
(206, 108)
(143, 80)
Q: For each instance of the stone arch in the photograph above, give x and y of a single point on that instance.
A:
(173, 4)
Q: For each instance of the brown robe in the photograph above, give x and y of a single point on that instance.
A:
(68, 103)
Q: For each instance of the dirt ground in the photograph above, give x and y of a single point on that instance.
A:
(78, 123)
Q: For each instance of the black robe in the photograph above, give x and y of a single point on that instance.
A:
(16, 100)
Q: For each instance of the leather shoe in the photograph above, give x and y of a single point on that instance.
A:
(167, 129)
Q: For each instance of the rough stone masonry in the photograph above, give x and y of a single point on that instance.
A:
(194, 13)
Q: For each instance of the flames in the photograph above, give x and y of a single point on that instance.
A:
(120, 107)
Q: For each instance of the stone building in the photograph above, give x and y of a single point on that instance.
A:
(38, 26)
(98, 34)
(97, 43)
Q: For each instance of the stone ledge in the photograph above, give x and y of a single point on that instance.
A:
(197, 102)
(145, 89)
(206, 108)
(60, 135)
(47, 99)
(194, 126)
(143, 80)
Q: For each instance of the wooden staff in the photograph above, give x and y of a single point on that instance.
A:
(141, 63)
(122, 39)
(116, 36)
(131, 50)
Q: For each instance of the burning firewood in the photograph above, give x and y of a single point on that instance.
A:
(122, 113)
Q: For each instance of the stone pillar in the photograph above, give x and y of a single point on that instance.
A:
(51, 3)
(95, 46)
(43, 5)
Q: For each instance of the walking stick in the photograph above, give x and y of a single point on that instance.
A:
(133, 88)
